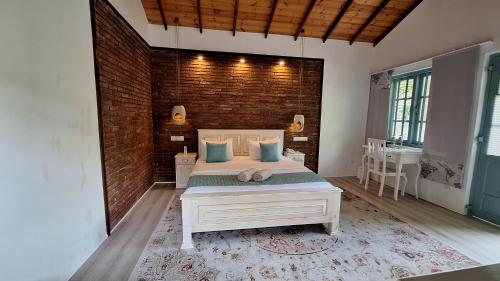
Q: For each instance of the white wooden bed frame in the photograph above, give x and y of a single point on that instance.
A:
(241, 210)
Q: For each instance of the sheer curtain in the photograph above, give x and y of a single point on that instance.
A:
(378, 105)
(449, 115)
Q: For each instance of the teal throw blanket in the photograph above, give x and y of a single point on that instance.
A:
(232, 180)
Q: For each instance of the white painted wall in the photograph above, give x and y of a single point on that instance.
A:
(51, 202)
(437, 27)
(133, 11)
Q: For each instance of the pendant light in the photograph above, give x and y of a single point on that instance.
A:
(178, 110)
(298, 118)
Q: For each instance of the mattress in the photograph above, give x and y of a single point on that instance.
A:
(241, 163)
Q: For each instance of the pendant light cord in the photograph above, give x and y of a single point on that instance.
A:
(301, 78)
(178, 74)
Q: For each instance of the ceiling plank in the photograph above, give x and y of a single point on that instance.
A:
(398, 21)
(270, 20)
(199, 15)
(369, 20)
(253, 16)
(235, 17)
(337, 19)
(304, 19)
(162, 13)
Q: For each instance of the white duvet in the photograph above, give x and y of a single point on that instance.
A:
(241, 163)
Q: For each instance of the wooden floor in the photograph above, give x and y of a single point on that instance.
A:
(482, 273)
(116, 258)
(472, 237)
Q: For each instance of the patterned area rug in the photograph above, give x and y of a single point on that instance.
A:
(372, 245)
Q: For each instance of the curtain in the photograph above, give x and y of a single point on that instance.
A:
(449, 115)
(378, 105)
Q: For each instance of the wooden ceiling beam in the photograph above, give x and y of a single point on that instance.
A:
(369, 20)
(270, 20)
(337, 19)
(235, 17)
(398, 21)
(199, 15)
(162, 13)
(304, 19)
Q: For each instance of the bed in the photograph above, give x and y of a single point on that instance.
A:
(214, 202)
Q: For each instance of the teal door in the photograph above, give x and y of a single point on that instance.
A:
(486, 183)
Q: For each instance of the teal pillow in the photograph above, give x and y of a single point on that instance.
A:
(270, 152)
(216, 152)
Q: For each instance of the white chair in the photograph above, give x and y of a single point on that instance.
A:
(363, 161)
(377, 154)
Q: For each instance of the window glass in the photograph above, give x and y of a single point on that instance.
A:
(409, 103)
(494, 137)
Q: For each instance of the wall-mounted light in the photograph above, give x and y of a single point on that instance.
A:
(200, 57)
(282, 62)
(242, 60)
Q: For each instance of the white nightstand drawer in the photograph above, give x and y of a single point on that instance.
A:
(184, 164)
(182, 173)
(185, 160)
(296, 158)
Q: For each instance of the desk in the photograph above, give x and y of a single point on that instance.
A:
(399, 156)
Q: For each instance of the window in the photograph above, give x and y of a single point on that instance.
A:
(408, 107)
(494, 135)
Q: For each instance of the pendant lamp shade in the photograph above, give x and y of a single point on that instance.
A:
(179, 114)
(298, 123)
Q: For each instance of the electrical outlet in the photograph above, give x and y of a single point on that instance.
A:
(299, 138)
(176, 138)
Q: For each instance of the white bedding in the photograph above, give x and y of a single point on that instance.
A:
(241, 163)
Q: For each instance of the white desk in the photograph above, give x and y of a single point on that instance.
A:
(399, 156)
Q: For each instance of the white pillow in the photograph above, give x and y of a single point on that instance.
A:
(254, 147)
(203, 149)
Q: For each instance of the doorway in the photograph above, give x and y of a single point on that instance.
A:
(485, 193)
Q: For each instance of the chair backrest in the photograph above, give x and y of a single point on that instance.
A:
(377, 152)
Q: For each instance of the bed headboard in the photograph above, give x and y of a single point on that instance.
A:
(240, 137)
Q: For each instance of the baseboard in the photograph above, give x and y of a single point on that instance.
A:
(131, 208)
(139, 200)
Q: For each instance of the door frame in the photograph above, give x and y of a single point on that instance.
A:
(485, 114)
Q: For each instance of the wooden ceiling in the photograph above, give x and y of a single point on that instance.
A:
(351, 20)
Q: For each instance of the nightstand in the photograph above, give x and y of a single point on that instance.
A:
(184, 164)
(296, 156)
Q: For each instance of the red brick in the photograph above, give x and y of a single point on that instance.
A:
(124, 66)
(220, 93)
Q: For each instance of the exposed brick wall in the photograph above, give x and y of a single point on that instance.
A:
(124, 76)
(219, 92)
(137, 91)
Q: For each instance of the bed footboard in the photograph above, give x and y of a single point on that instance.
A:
(228, 211)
